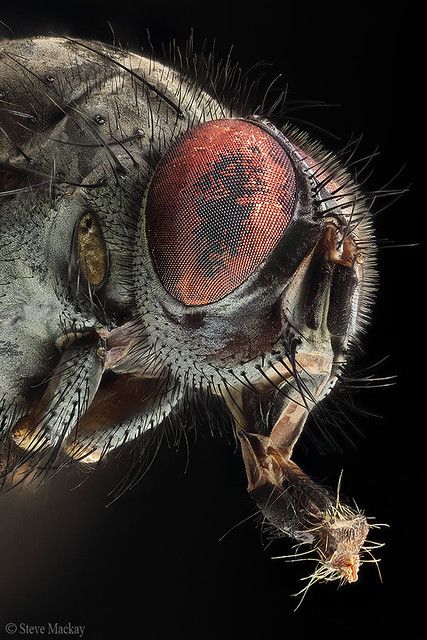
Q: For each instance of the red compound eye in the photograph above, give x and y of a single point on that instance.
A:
(219, 202)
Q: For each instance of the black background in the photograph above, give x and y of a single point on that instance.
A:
(150, 565)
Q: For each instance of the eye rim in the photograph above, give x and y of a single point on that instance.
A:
(149, 211)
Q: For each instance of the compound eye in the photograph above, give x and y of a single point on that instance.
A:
(219, 202)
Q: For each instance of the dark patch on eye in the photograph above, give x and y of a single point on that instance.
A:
(223, 189)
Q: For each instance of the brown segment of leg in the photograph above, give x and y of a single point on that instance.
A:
(298, 507)
(290, 501)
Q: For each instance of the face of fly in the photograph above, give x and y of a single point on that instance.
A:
(251, 251)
